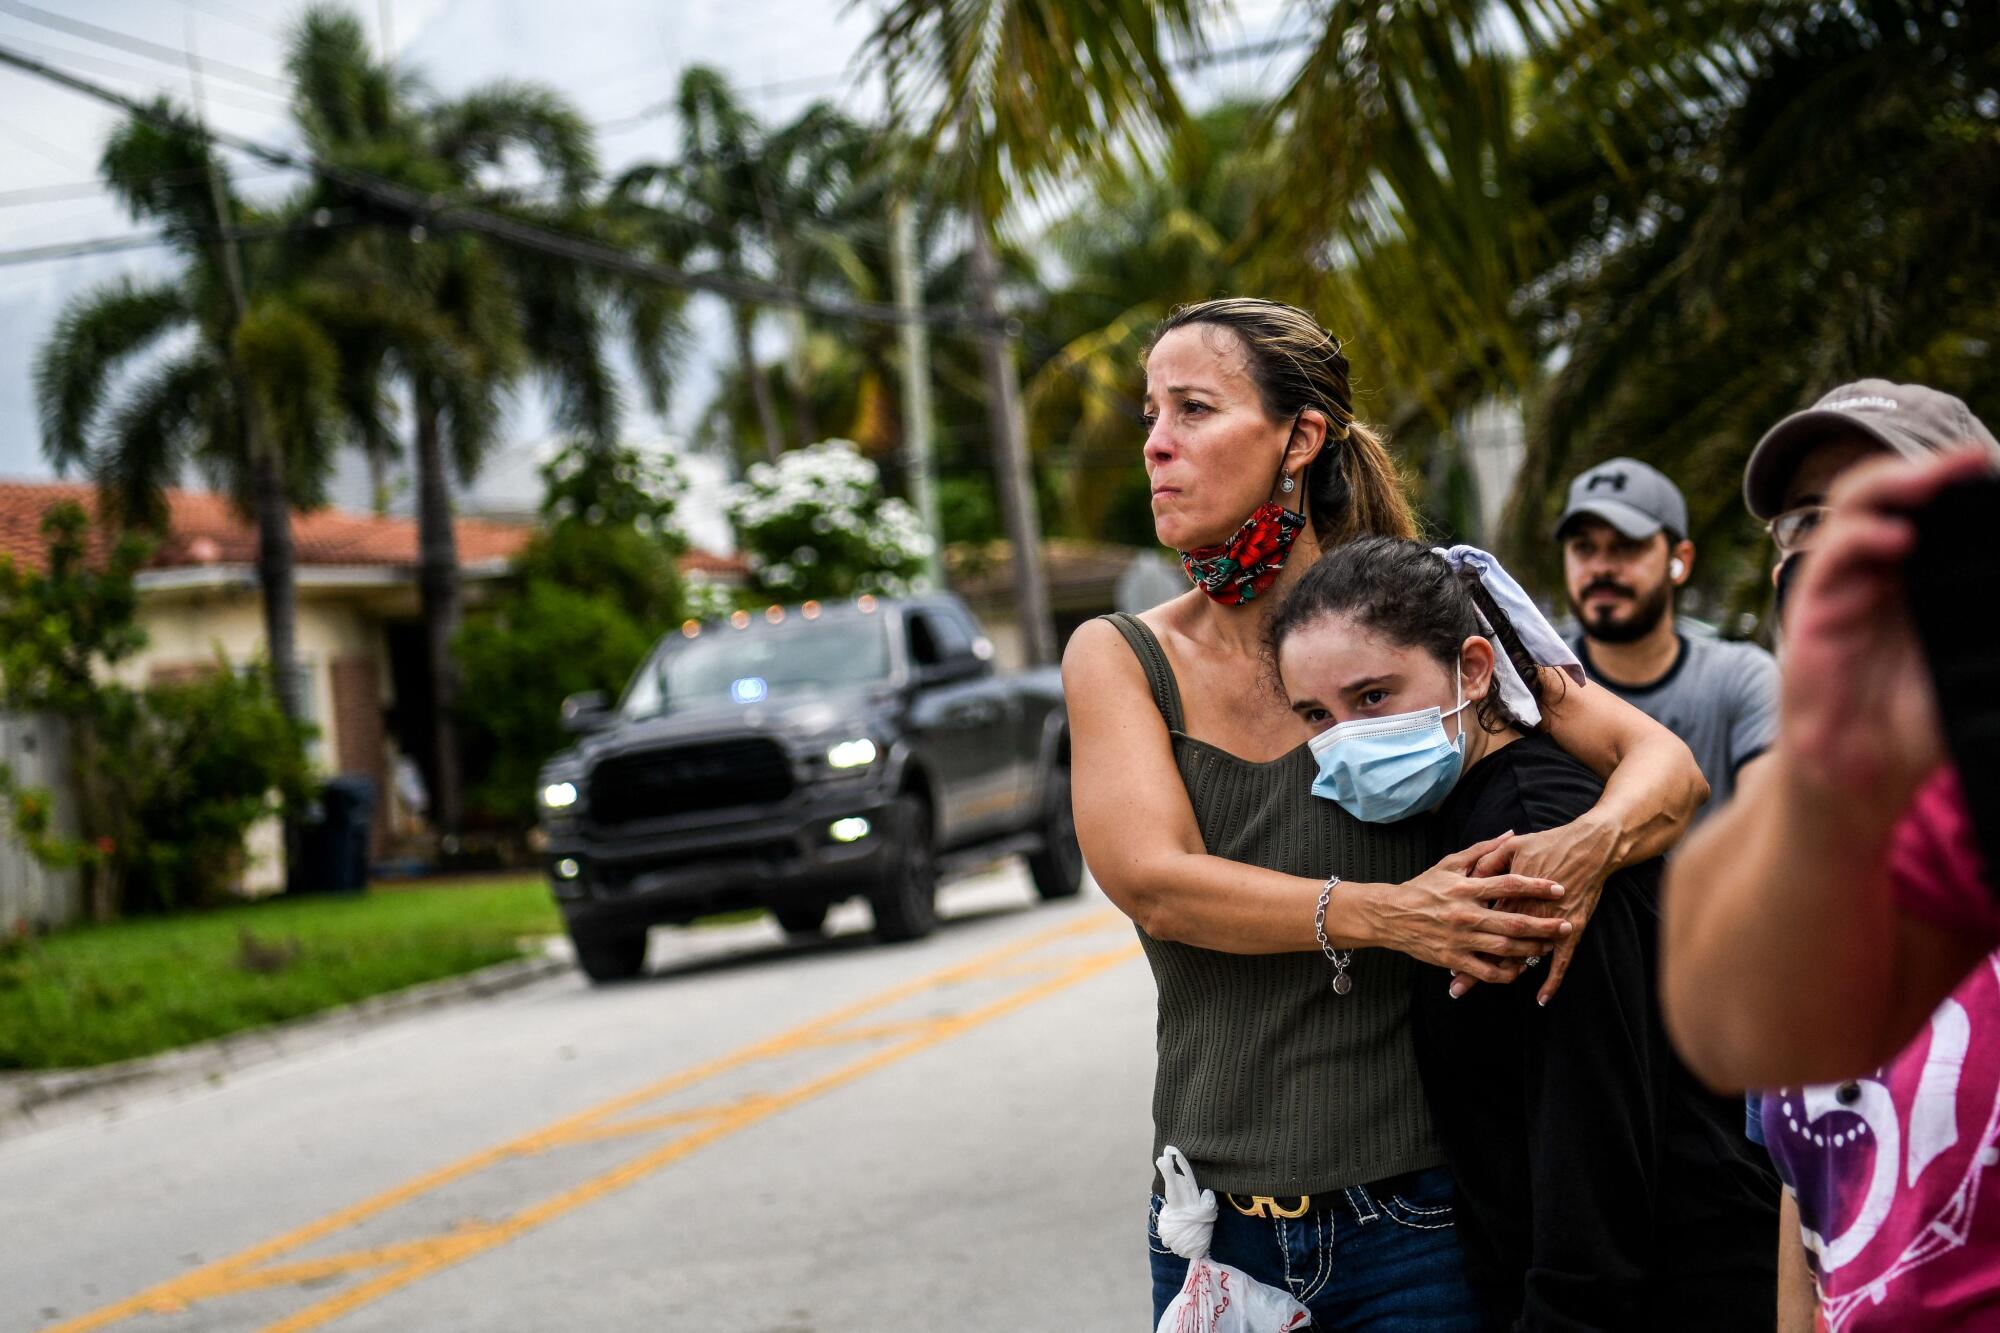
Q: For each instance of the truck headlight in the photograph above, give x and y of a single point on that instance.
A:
(857, 753)
(559, 795)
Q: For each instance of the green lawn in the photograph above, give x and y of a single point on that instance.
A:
(100, 993)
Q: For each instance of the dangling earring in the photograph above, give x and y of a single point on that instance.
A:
(1288, 485)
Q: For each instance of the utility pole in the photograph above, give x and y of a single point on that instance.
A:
(277, 562)
(1010, 446)
(276, 557)
(916, 382)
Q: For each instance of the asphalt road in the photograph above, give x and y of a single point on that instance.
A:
(758, 1137)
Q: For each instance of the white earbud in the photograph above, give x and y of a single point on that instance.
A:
(1676, 569)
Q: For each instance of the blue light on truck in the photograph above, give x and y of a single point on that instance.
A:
(749, 690)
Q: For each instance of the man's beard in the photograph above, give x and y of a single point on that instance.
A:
(1645, 615)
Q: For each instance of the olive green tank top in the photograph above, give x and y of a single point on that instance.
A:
(1266, 1079)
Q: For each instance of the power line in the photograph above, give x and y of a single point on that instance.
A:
(108, 245)
(139, 46)
(437, 211)
(50, 152)
(654, 110)
(68, 190)
(97, 245)
(810, 82)
(230, 13)
(264, 103)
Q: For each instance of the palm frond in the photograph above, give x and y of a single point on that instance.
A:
(479, 130)
(95, 336)
(158, 425)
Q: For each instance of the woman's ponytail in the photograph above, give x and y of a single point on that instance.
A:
(1362, 494)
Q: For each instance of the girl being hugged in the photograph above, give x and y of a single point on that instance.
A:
(1281, 930)
(1599, 1187)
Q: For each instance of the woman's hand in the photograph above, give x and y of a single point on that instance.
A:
(1443, 917)
(1580, 855)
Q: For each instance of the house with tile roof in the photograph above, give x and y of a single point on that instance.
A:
(360, 636)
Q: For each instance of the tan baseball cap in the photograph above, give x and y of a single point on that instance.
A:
(1909, 419)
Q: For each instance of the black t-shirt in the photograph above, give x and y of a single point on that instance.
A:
(1528, 786)
(1599, 1186)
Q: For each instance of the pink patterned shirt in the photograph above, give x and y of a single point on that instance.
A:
(1893, 1172)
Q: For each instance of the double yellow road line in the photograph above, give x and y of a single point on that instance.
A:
(375, 1272)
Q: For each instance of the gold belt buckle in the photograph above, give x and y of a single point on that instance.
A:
(1263, 1205)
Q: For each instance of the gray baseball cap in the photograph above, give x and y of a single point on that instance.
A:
(1633, 497)
(1908, 419)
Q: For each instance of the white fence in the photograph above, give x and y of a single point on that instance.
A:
(33, 748)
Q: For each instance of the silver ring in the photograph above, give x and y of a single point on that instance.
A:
(1535, 961)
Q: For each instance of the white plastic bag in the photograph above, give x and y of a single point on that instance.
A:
(1216, 1298)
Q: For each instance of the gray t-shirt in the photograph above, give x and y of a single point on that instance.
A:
(1719, 696)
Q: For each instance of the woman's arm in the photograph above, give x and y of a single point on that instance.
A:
(1144, 848)
(1652, 785)
(1652, 789)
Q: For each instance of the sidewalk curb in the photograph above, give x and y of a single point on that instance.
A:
(35, 1099)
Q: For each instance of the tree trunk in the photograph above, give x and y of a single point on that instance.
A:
(277, 575)
(378, 479)
(760, 388)
(101, 886)
(804, 431)
(277, 567)
(1010, 449)
(437, 582)
(797, 376)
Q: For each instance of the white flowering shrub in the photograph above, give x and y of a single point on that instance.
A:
(707, 601)
(816, 524)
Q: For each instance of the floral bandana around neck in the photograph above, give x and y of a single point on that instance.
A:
(1236, 571)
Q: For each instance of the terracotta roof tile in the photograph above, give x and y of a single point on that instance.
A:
(203, 528)
(708, 562)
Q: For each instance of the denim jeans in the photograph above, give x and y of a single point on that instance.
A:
(1383, 1256)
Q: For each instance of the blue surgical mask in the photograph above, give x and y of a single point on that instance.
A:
(1382, 769)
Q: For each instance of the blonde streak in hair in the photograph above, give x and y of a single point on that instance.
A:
(1378, 501)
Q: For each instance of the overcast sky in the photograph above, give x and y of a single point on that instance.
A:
(614, 58)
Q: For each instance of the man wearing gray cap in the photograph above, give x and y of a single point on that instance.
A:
(1811, 927)
(1625, 551)
(1795, 465)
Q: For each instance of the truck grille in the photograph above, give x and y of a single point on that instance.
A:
(713, 776)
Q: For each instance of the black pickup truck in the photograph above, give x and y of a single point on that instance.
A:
(798, 757)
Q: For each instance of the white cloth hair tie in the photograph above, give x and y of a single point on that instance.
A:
(1544, 645)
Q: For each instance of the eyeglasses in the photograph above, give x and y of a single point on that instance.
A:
(1792, 530)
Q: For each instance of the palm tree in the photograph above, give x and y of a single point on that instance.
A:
(825, 200)
(243, 393)
(457, 319)
(1656, 227)
(710, 205)
(237, 380)
(1014, 92)
(1816, 213)
(819, 221)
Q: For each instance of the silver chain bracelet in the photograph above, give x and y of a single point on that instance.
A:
(1340, 958)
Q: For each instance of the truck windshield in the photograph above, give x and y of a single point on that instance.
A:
(762, 661)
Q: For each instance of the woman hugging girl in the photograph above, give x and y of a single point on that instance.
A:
(1598, 1186)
